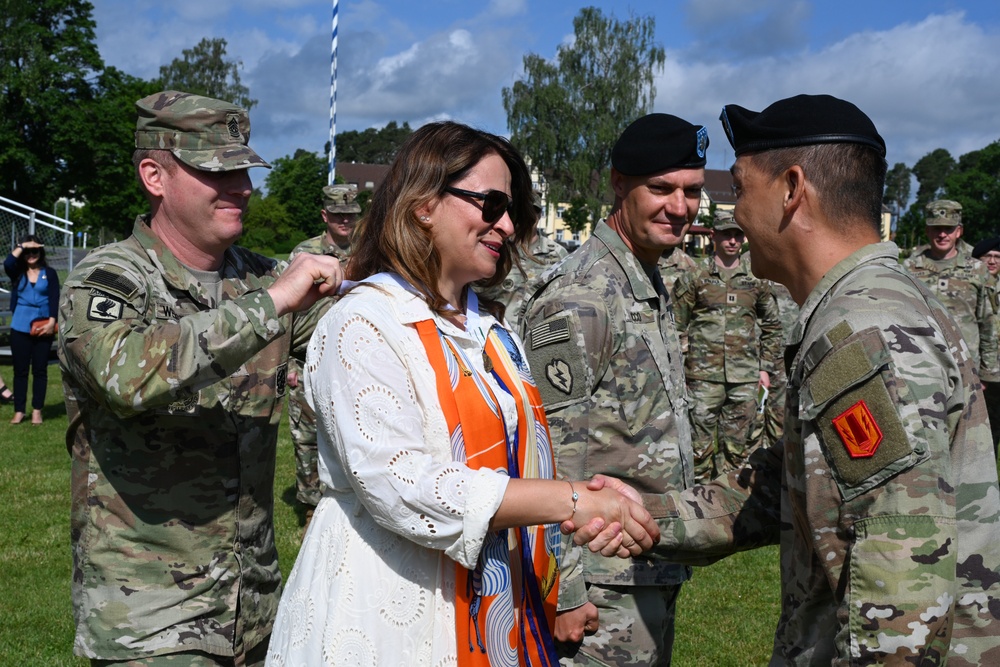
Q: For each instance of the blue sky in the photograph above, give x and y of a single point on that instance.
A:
(926, 72)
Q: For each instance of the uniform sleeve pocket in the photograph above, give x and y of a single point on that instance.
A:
(902, 592)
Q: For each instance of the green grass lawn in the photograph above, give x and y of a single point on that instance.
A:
(726, 615)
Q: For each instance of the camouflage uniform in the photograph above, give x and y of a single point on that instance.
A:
(774, 409)
(173, 382)
(174, 401)
(601, 342)
(717, 313)
(543, 253)
(301, 418)
(889, 507)
(673, 264)
(962, 285)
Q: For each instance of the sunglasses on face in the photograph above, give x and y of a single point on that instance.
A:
(32, 251)
(494, 202)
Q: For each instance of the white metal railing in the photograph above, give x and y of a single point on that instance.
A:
(17, 219)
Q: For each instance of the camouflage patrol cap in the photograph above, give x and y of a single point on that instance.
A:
(340, 199)
(944, 213)
(201, 132)
(723, 220)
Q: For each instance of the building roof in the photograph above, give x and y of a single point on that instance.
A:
(719, 186)
(365, 176)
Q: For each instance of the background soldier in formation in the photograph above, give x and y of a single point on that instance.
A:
(173, 347)
(719, 309)
(960, 282)
(769, 430)
(884, 493)
(673, 264)
(340, 213)
(601, 342)
(988, 251)
(542, 253)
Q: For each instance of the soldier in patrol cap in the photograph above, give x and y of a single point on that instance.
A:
(600, 338)
(719, 307)
(960, 282)
(884, 494)
(340, 214)
(173, 348)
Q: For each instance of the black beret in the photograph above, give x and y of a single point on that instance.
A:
(658, 142)
(802, 120)
(985, 246)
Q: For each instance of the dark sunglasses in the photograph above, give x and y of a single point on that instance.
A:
(32, 251)
(494, 202)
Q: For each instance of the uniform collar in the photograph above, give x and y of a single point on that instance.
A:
(175, 273)
(868, 253)
(635, 272)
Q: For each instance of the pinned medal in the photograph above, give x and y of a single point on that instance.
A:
(858, 431)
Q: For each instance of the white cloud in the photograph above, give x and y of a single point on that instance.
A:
(925, 85)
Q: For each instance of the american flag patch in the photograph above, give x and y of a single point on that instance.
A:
(547, 333)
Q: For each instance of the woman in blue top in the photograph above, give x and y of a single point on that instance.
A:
(34, 295)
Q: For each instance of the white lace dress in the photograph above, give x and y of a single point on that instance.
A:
(374, 581)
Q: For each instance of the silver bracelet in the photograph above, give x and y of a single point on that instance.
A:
(575, 496)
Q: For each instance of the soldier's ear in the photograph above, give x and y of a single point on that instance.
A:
(152, 174)
(795, 188)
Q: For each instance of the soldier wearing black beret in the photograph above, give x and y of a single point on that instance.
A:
(883, 494)
(601, 342)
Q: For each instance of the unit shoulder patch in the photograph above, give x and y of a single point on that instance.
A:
(104, 308)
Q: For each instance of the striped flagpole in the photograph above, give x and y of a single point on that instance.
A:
(333, 98)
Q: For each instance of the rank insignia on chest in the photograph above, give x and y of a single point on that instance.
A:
(730, 298)
(942, 284)
(858, 431)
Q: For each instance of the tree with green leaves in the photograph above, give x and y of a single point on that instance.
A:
(372, 146)
(897, 191)
(975, 184)
(102, 133)
(267, 227)
(205, 70)
(931, 171)
(566, 115)
(296, 182)
(48, 54)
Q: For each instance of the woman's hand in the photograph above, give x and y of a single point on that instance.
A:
(606, 537)
(625, 527)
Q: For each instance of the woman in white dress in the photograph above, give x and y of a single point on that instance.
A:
(434, 542)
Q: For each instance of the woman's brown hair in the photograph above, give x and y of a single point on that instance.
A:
(391, 237)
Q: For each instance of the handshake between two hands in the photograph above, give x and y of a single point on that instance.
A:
(611, 520)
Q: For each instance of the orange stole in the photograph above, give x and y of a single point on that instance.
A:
(506, 606)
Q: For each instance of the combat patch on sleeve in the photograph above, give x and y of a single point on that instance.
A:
(858, 420)
(104, 308)
(557, 361)
(111, 279)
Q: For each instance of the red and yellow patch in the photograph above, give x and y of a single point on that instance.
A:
(858, 431)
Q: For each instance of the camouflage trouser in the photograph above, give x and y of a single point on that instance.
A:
(636, 627)
(302, 424)
(769, 430)
(253, 658)
(722, 414)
